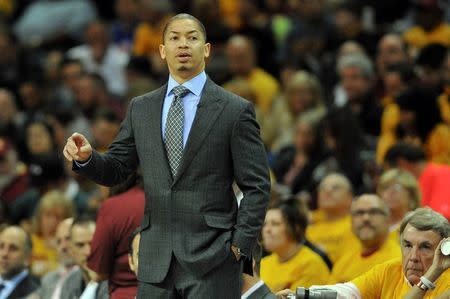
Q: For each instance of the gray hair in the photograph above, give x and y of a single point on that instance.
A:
(424, 219)
(359, 61)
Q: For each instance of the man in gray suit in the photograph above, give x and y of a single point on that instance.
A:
(192, 139)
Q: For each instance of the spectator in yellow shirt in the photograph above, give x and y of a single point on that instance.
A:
(422, 272)
(400, 190)
(331, 228)
(370, 225)
(241, 55)
(430, 26)
(294, 261)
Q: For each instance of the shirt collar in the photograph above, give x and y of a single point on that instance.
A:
(195, 85)
(15, 280)
(252, 289)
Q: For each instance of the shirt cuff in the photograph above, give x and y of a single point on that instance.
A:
(82, 164)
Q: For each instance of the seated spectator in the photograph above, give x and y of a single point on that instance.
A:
(293, 262)
(53, 207)
(357, 78)
(109, 247)
(51, 283)
(294, 165)
(15, 250)
(105, 127)
(40, 138)
(433, 178)
(430, 26)
(241, 55)
(302, 97)
(349, 148)
(422, 272)
(370, 225)
(400, 191)
(397, 78)
(100, 56)
(390, 50)
(82, 279)
(331, 224)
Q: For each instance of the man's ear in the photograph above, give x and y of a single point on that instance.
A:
(162, 51)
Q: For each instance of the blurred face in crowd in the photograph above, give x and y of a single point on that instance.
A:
(354, 82)
(50, 218)
(14, 255)
(133, 259)
(418, 249)
(275, 235)
(393, 84)
(9, 109)
(299, 98)
(71, 74)
(80, 242)
(334, 193)
(39, 140)
(184, 49)
(104, 132)
(97, 38)
(126, 9)
(390, 51)
(30, 95)
(86, 91)
(241, 56)
(62, 238)
(370, 220)
(397, 198)
(304, 136)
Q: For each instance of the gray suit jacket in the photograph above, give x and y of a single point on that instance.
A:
(195, 214)
(263, 292)
(74, 286)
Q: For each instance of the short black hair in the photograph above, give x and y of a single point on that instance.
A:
(183, 16)
(131, 239)
(402, 150)
(82, 220)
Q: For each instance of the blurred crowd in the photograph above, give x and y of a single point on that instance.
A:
(352, 98)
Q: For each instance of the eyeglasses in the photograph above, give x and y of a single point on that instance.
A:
(371, 212)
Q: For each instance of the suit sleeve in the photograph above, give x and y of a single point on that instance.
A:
(251, 172)
(118, 162)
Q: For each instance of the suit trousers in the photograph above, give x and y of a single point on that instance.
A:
(224, 281)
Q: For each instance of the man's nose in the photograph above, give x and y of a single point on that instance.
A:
(414, 254)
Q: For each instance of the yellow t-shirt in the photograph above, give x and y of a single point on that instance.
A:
(334, 237)
(353, 264)
(148, 37)
(304, 269)
(265, 87)
(387, 281)
(44, 259)
(419, 38)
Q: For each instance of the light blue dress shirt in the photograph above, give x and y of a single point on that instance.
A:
(190, 102)
(11, 284)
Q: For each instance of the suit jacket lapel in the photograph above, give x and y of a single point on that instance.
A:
(155, 113)
(208, 110)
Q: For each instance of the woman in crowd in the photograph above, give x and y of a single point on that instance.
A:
(52, 209)
(400, 191)
(294, 165)
(293, 261)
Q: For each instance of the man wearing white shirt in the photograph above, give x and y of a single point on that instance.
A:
(15, 251)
